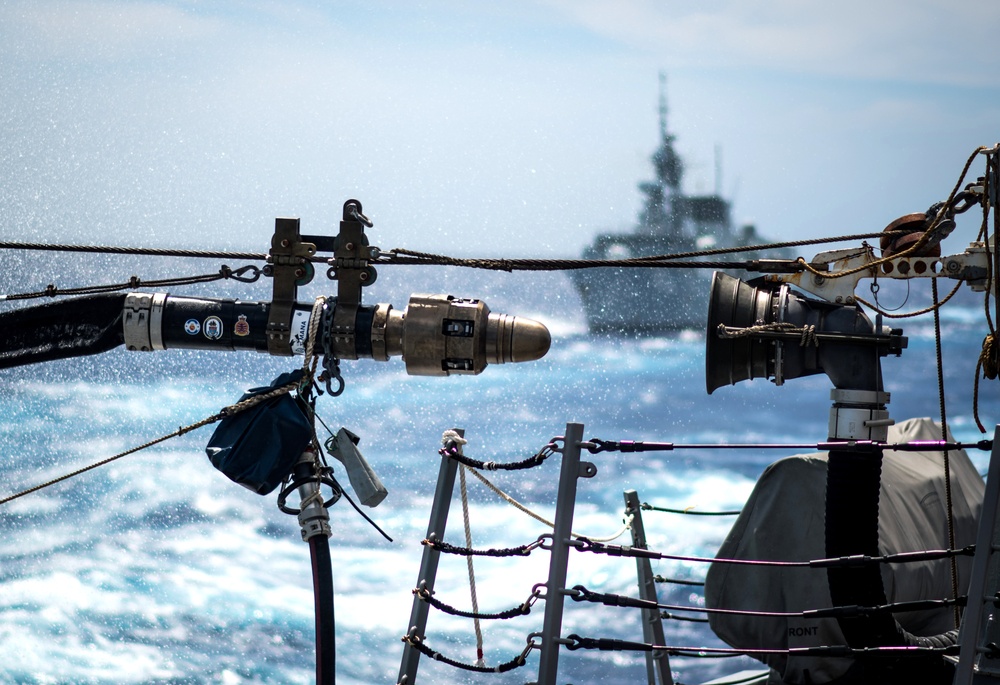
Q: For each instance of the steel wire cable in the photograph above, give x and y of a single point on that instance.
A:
(576, 642)
(585, 545)
(579, 593)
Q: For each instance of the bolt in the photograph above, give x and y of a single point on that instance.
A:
(299, 273)
(285, 243)
(953, 266)
(349, 247)
(363, 276)
(818, 280)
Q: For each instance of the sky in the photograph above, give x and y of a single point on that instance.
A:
(480, 129)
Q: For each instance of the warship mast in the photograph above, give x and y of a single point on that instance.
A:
(657, 215)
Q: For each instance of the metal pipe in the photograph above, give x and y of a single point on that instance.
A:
(548, 666)
(657, 661)
(428, 564)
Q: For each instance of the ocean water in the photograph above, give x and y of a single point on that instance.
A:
(157, 569)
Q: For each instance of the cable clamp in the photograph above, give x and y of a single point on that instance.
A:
(240, 274)
(534, 545)
(596, 445)
(535, 595)
(532, 644)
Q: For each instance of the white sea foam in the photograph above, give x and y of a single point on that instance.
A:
(158, 567)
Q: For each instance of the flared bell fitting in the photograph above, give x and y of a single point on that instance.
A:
(761, 329)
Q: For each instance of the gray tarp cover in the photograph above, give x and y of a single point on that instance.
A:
(784, 520)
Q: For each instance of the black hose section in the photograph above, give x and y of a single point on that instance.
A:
(852, 502)
(58, 330)
(326, 649)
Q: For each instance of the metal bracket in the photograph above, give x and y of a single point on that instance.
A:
(840, 290)
(289, 265)
(969, 266)
(135, 322)
(351, 268)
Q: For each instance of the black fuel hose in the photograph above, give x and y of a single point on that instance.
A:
(852, 501)
(326, 650)
(62, 329)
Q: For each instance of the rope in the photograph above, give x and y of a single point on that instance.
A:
(932, 308)
(418, 644)
(517, 505)
(230, 410)
(808, 333)
(520, 610)
(446, 548)
(144, 251)
(918, 245)
(403, 256)
(452, 439)
(530, 462)
(989, 358)
(468, 563)
(431, 259)
(945, 453)
(135, 282)
(315, 317)
(223, 413)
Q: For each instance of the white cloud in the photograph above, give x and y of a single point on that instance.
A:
(928, 41)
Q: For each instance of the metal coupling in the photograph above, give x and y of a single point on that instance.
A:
(441, 335)
(313, 517)
(142, 322)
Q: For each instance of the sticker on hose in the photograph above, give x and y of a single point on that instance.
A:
(212, 327)
(300, 331)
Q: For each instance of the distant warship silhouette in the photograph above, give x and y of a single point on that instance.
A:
(659, 300)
